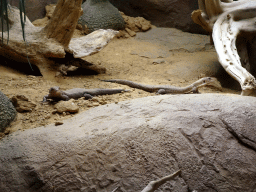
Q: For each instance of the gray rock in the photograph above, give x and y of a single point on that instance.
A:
(175, 40)
(101, 14)
(209, 137)
(7, 112)
(171, 13)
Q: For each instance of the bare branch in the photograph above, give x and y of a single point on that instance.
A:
(153, 185)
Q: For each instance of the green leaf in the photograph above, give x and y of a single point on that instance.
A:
(22, 18)
(4, 17)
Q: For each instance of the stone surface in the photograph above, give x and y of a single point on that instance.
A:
(171, 13)
(209, 137)
(22, 103)
(170, 41)
(7, 112)
(101, 14)
(175, 40)
(162, 13)
(92, 43)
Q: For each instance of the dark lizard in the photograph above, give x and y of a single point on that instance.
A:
(164, 89)
(56, 94)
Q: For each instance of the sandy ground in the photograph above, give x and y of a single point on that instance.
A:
(124, 59)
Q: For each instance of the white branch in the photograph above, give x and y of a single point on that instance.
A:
(225, 32)
(227, 19)
(153, 185)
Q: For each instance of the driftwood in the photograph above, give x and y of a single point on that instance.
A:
(232, 24)
(44, 45)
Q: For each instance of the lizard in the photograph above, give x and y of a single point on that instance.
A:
(56, 94)
(165, 89)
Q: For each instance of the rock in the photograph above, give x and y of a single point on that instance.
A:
(130, 32)
(49, 10)
(175, 40)
(44, 45)
(66, 106)
(100, 14)
(240, 129)
(7, 112)
(170, 13)
(41, 22)
(209, 137)
(133, 25)
(22, 104)
(64, 69)
(161, 13)
(92, 43)
(34, 9)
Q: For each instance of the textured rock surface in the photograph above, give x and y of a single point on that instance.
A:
(101, 14)
(22, 103)
(35, 9)
(162, 13)
(175, 40)
(7, 112)
(133, 142)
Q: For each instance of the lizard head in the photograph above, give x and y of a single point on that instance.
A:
(53, 90)
(209, 81)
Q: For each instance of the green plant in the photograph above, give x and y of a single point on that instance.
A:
(4, 17)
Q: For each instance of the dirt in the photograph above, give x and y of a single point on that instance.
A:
(123, 60)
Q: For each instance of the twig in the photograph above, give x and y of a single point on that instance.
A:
(153, 185)
(115, 189)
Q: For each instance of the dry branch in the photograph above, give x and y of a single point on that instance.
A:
(233, 28)
(153, 185)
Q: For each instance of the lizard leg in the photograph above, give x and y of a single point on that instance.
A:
(45, 98)
(87, 96)
(161, 91)
(195, 90)
(65, 97)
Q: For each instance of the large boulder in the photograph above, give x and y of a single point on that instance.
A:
(7, 112)
(101, 14)
(162, 13)
(209, 137)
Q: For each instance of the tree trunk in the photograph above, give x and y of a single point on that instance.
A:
(64, 20)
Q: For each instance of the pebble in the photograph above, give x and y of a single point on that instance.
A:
(58, 123)
(67, 107)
